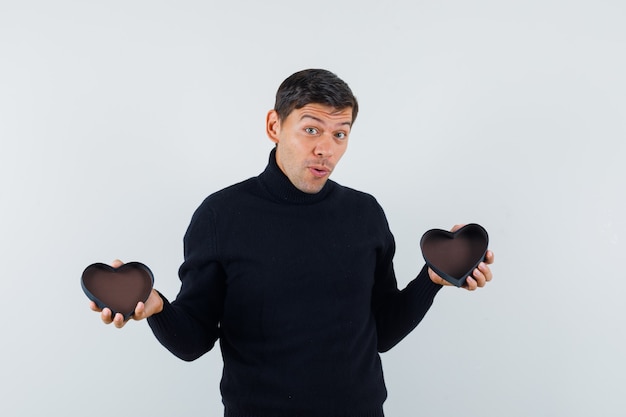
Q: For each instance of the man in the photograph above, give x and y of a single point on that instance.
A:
(293, 273)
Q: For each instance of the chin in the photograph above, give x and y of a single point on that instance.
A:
(312, 189)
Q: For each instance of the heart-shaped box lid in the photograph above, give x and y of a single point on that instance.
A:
(119, 289)
(454, 255)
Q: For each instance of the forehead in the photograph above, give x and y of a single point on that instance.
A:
(323, 113)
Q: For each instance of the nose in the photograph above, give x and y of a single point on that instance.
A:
(324, 146)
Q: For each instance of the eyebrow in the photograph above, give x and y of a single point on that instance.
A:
(317, 119)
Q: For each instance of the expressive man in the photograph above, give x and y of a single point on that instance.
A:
(293, 274)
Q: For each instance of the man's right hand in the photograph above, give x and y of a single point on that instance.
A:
(153, 305)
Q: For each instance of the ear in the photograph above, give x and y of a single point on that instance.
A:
(272, 126)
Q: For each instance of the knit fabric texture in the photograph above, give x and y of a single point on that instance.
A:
(300, 291)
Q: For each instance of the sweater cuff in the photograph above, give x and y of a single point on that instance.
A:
(424, 284)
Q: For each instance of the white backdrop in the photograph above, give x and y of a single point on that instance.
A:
(118, 118)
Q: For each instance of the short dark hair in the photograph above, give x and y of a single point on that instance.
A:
(316, 86)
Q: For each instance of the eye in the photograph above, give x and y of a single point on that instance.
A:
(311, 130)
(341, 135)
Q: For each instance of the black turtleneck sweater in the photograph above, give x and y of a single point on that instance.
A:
(301, 293)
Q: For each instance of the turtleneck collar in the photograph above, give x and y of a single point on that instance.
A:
(280, 187)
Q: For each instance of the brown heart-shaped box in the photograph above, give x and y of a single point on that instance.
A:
(119, 289)
(454, 255)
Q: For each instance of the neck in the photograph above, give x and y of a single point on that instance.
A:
(277, 184)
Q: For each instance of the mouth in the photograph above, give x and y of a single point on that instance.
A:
(319, 171)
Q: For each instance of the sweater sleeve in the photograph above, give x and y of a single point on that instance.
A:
(398, 312)
(189, 326)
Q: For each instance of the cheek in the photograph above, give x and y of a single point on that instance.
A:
(342, 149)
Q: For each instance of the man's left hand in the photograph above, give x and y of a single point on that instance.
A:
(480, 276)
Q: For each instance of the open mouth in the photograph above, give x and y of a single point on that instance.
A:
(318, 172)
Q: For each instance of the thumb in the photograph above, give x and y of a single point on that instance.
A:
(456, 227)
(153, 305)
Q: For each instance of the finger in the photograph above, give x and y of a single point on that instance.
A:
(94, 307)
(489, 257)
(117, 263)
(139, 311)
(106, 316)
(486, 271)
(456, 227)
(470, 284)
(479, 277)
(436, 278)
(118, 321)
